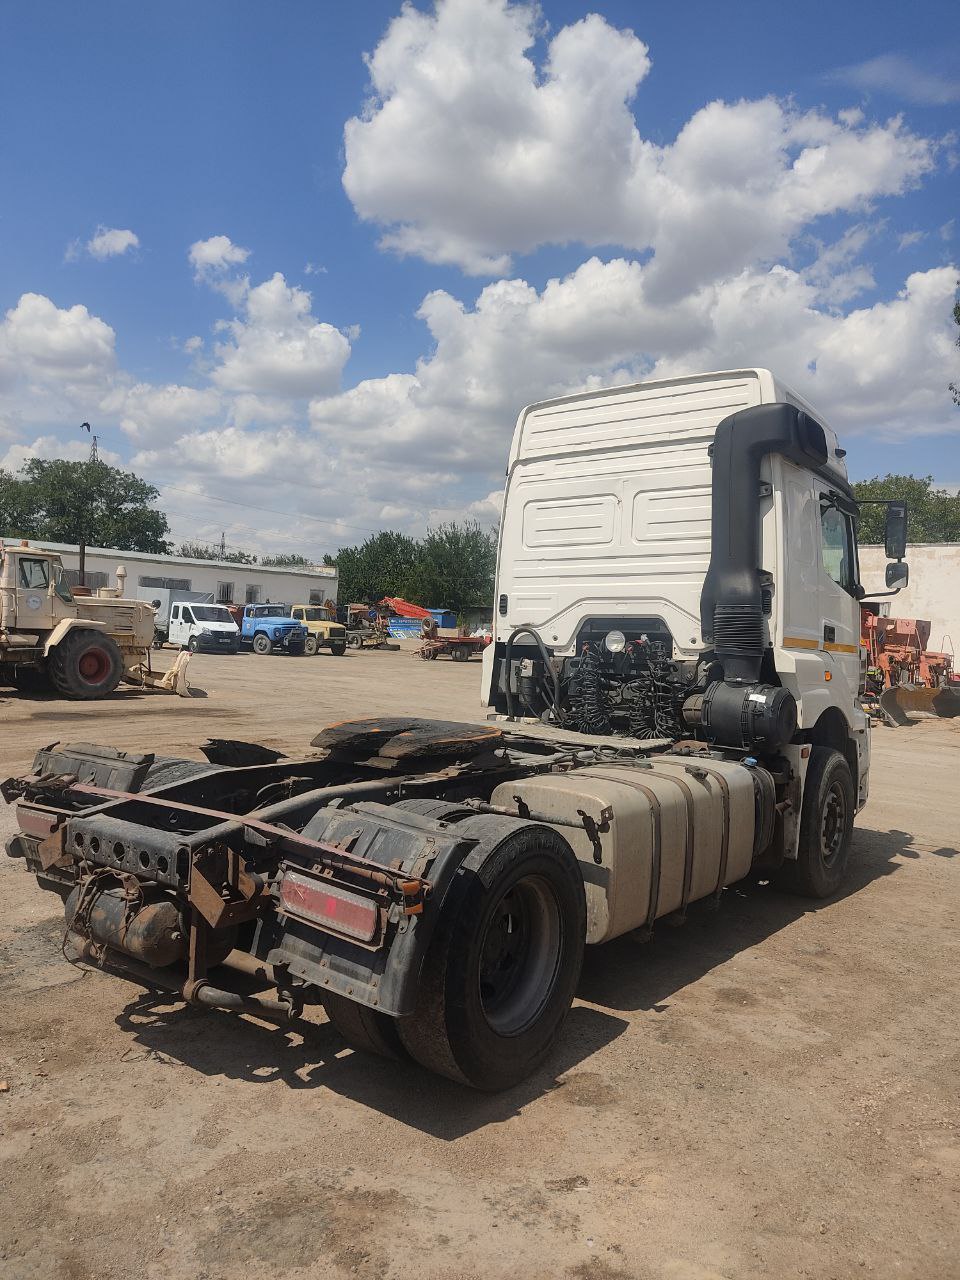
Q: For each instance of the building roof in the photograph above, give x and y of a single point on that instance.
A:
(316, 571)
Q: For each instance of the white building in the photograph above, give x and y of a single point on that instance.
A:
(228, 583)
(933, 591)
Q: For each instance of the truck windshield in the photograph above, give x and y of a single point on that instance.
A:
(271, 611)
(211, 613)
(314, 615)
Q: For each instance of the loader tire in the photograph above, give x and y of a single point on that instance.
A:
(85, 665)
(364, 1028)
(355, 642)
(502, 967)
(826, 828)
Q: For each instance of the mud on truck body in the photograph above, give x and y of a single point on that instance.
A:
(677, 623)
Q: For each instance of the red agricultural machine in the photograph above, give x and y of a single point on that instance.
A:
(903, 675)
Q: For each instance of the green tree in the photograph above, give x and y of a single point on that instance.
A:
(455, 567)
(383, 565)
(205, 551)
(82, 502)
(292, 561)
(933, 515)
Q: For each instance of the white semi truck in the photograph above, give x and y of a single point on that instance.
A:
(673, 692)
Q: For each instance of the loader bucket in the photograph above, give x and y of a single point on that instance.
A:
(896, 702)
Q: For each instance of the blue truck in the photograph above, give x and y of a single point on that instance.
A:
(269, 627)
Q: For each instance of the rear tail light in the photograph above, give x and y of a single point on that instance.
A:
(329, 906)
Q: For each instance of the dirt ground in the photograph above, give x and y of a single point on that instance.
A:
(768, 1091)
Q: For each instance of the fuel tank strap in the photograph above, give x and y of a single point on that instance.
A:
(693, 769)
(688, 842)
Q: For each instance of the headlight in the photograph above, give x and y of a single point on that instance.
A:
(615, 641)
(277, 632)
(206, 635)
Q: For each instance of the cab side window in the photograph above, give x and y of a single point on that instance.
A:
(838, 546)
(34, 574)
(187, 614)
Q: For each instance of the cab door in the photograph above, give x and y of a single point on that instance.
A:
(177, 631)
(840, 592)
(34, 603)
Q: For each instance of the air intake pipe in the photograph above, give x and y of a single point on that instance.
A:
(731, 606)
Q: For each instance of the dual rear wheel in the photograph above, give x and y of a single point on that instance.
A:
(501, 969)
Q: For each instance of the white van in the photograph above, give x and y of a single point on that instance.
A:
(203, 626)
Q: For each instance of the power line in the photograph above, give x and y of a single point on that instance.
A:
(251, 506)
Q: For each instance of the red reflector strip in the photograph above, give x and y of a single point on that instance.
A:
(328, 905)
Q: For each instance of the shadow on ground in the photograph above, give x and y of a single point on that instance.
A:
(628, 976)
(621, 976)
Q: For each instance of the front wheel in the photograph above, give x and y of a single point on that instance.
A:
(339, 649)
(502, 968)
(193, 644)
(310, 646)
(261, 643)
(85, 665)
(826, 827)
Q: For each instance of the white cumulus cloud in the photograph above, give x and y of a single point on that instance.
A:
(62, 344)
(468, 152)
(111, 242)
(277, 346)
(219, 253)
(146, 411)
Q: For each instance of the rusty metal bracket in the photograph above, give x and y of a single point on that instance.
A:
(594, 829)
(221, 888)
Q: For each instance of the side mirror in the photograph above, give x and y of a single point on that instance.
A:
(895, 532)
(897, 574)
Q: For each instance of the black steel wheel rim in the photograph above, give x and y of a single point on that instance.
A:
(833, 826)
(520, 955)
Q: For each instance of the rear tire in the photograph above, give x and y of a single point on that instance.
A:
(310, 646)
(826, 828)
(364, 1028)
(501, 971)
(355, 642)
(261, 643)
(461, 653)
(85, 665)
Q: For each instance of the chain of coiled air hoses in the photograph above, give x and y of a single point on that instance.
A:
(655, 683)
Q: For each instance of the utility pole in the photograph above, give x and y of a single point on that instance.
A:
(91, 463)
(223, 545)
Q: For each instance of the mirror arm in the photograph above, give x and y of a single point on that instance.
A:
(876, 595)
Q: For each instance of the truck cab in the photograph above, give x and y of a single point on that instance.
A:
(266, 628)
(203, 627)
(680, 556)
(323, 631)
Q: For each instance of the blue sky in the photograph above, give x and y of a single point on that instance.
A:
(300, 424)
